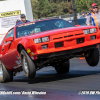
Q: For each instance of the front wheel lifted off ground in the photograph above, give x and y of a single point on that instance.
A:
(93, 57)
(28, 65)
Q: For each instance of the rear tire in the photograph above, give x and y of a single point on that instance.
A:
(5, 74)
(93, 57)
(28, 65)
(63, 67)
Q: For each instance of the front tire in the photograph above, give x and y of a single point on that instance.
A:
(28, 65)
(5, 74)
(63, 67)
(93, 57)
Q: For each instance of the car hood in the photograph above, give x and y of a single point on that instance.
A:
(71, 30)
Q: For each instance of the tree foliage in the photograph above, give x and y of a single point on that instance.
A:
(49, 8)
(85, 5)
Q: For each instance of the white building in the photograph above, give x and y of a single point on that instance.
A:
(10, 11)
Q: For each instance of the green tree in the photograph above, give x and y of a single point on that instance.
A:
(35, 8)
(84, 5)
(44, 8)
(49, 8)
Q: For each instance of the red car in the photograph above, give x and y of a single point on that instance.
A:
(32, 46)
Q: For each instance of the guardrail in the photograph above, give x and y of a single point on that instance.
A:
(65, 17)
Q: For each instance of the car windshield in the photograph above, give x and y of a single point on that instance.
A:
(40, 26)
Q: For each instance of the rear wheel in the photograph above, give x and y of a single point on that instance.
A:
(28, 65)
(93, 57)
(63, 67)
(5, 74)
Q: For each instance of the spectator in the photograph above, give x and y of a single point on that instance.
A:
(94, 16)
(23, 20)
(17, 21)
(87, 14)
(83, 15)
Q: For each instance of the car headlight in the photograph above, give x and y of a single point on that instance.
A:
(88, 31)
(40, 40)
(93, 30)
(45, 39)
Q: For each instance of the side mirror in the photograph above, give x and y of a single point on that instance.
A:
(77, 25)
(9, 39)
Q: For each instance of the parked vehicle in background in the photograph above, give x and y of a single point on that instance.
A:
(81, 21)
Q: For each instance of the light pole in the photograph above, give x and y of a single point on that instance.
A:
(75, 12)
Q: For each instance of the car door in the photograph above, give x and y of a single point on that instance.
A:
(8, 52)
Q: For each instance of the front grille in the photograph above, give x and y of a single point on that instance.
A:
(58, 44)
(68, 36)
(78, 34)
(57, 38)
(80, 40)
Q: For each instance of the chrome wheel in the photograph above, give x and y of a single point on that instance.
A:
(28, 65)
(1, 71)
(25, 64)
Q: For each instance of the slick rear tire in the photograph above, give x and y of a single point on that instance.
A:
(63, 67)
(5, 74)
(28, 65)
(93, 57)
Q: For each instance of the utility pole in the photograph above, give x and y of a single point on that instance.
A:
(75, 12)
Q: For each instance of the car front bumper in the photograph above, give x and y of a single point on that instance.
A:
(66, 52)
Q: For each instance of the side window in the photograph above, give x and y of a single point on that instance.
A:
(10, 34)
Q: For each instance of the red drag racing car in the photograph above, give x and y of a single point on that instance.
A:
(32, 46)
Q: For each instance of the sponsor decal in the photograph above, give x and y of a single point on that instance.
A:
(32, 54)
(17, 66)
(11, 13)
(17, 62)
(28, 50)
(26, 24)
(18, 58)
(32, 58)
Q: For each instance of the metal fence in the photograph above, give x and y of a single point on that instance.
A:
(65, 17)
